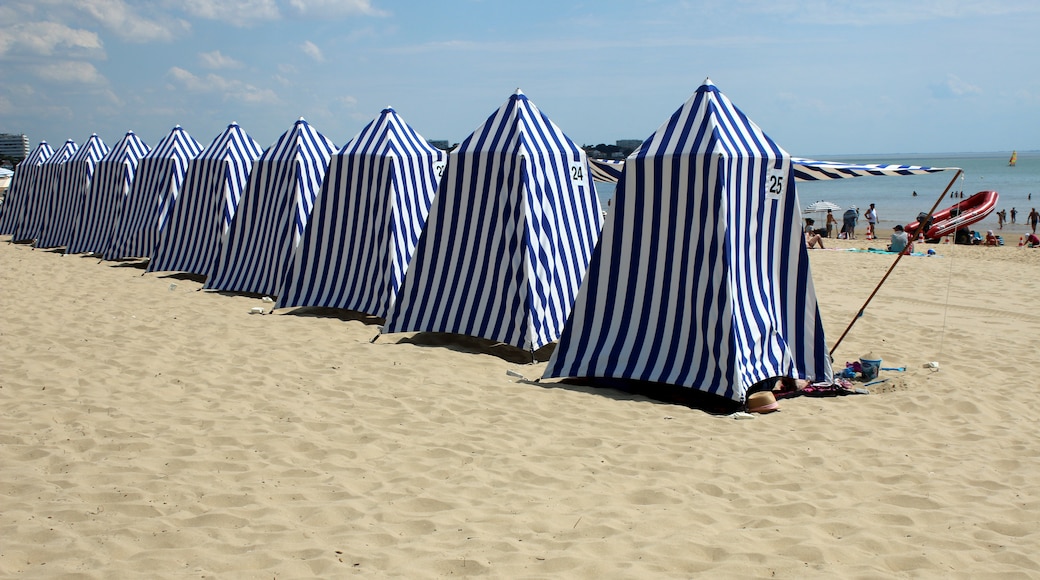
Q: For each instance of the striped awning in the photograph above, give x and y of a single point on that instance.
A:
(810, 170)
(609, 170)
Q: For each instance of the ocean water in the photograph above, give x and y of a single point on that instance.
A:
(893, 195)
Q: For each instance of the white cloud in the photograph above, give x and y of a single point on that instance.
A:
(234, 12)
(347, 101)
(228, 89)
(218, 60)
(70, 72)
(954, 87)
(312, 50)
(49, 38)
(331, 8)
(127, 23)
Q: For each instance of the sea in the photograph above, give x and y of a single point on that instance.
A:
(1018, 186)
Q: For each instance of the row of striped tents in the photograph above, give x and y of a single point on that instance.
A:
(66, 201)
(160, 174)
(273, 213)
(701, 278)
(366, 220)
(23, 188)
(509, 235)
(34, 214)
(207, 203)
(113, 177)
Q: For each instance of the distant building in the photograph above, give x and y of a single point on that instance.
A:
(440, 144)
(13, 148)
(629, 145)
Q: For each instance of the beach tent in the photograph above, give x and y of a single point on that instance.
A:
(509, 235)
(22, 191)
(160, 175)
(113, 177)
(701, 278)
(207, 203)
(34, 214)
(276, 205)
(69, 193)
(366, 220)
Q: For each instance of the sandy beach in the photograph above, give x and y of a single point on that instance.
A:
(153, 430)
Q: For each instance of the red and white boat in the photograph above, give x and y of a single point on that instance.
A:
(958, 216)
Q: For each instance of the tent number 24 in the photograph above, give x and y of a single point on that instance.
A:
(577, 171)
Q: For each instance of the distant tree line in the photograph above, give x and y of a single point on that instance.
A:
(9, 161)
(608, 151)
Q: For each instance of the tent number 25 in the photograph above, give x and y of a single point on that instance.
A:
(775, 184)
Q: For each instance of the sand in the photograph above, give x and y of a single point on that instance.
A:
(152, 430)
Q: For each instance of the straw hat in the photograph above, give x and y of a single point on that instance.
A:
(762, 402)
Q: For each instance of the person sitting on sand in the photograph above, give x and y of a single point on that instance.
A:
(900, 240)
(1032, 241)
(991, 238)
(811, 237)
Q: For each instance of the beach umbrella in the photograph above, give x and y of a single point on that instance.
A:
(822, 206)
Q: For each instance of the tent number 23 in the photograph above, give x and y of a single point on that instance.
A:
(774, 184)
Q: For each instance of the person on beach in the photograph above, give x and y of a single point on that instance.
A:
(1032, 241)
(1034, 217)
(1014, 214)
(900, 240)
(991, 238)
(849, 224)
(1001, 218)
(812, 239)
(872, 219)
(831, 223)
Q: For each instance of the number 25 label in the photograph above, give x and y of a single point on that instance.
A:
(775, 184)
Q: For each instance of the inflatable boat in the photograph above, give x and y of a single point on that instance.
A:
(958, 216)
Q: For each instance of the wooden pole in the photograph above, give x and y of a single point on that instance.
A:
(893, 266)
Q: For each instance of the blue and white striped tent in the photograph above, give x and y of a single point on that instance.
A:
(366, 221)
(30, 225)
(209, 197)
(113, 177)
(701, 278)
(22, 190)
(160, 175)
(69, 193)
(275, 208)
(509, 235)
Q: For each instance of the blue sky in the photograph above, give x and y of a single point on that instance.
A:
(820, 77)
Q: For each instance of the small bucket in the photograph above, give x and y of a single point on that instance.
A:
(869, 367)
